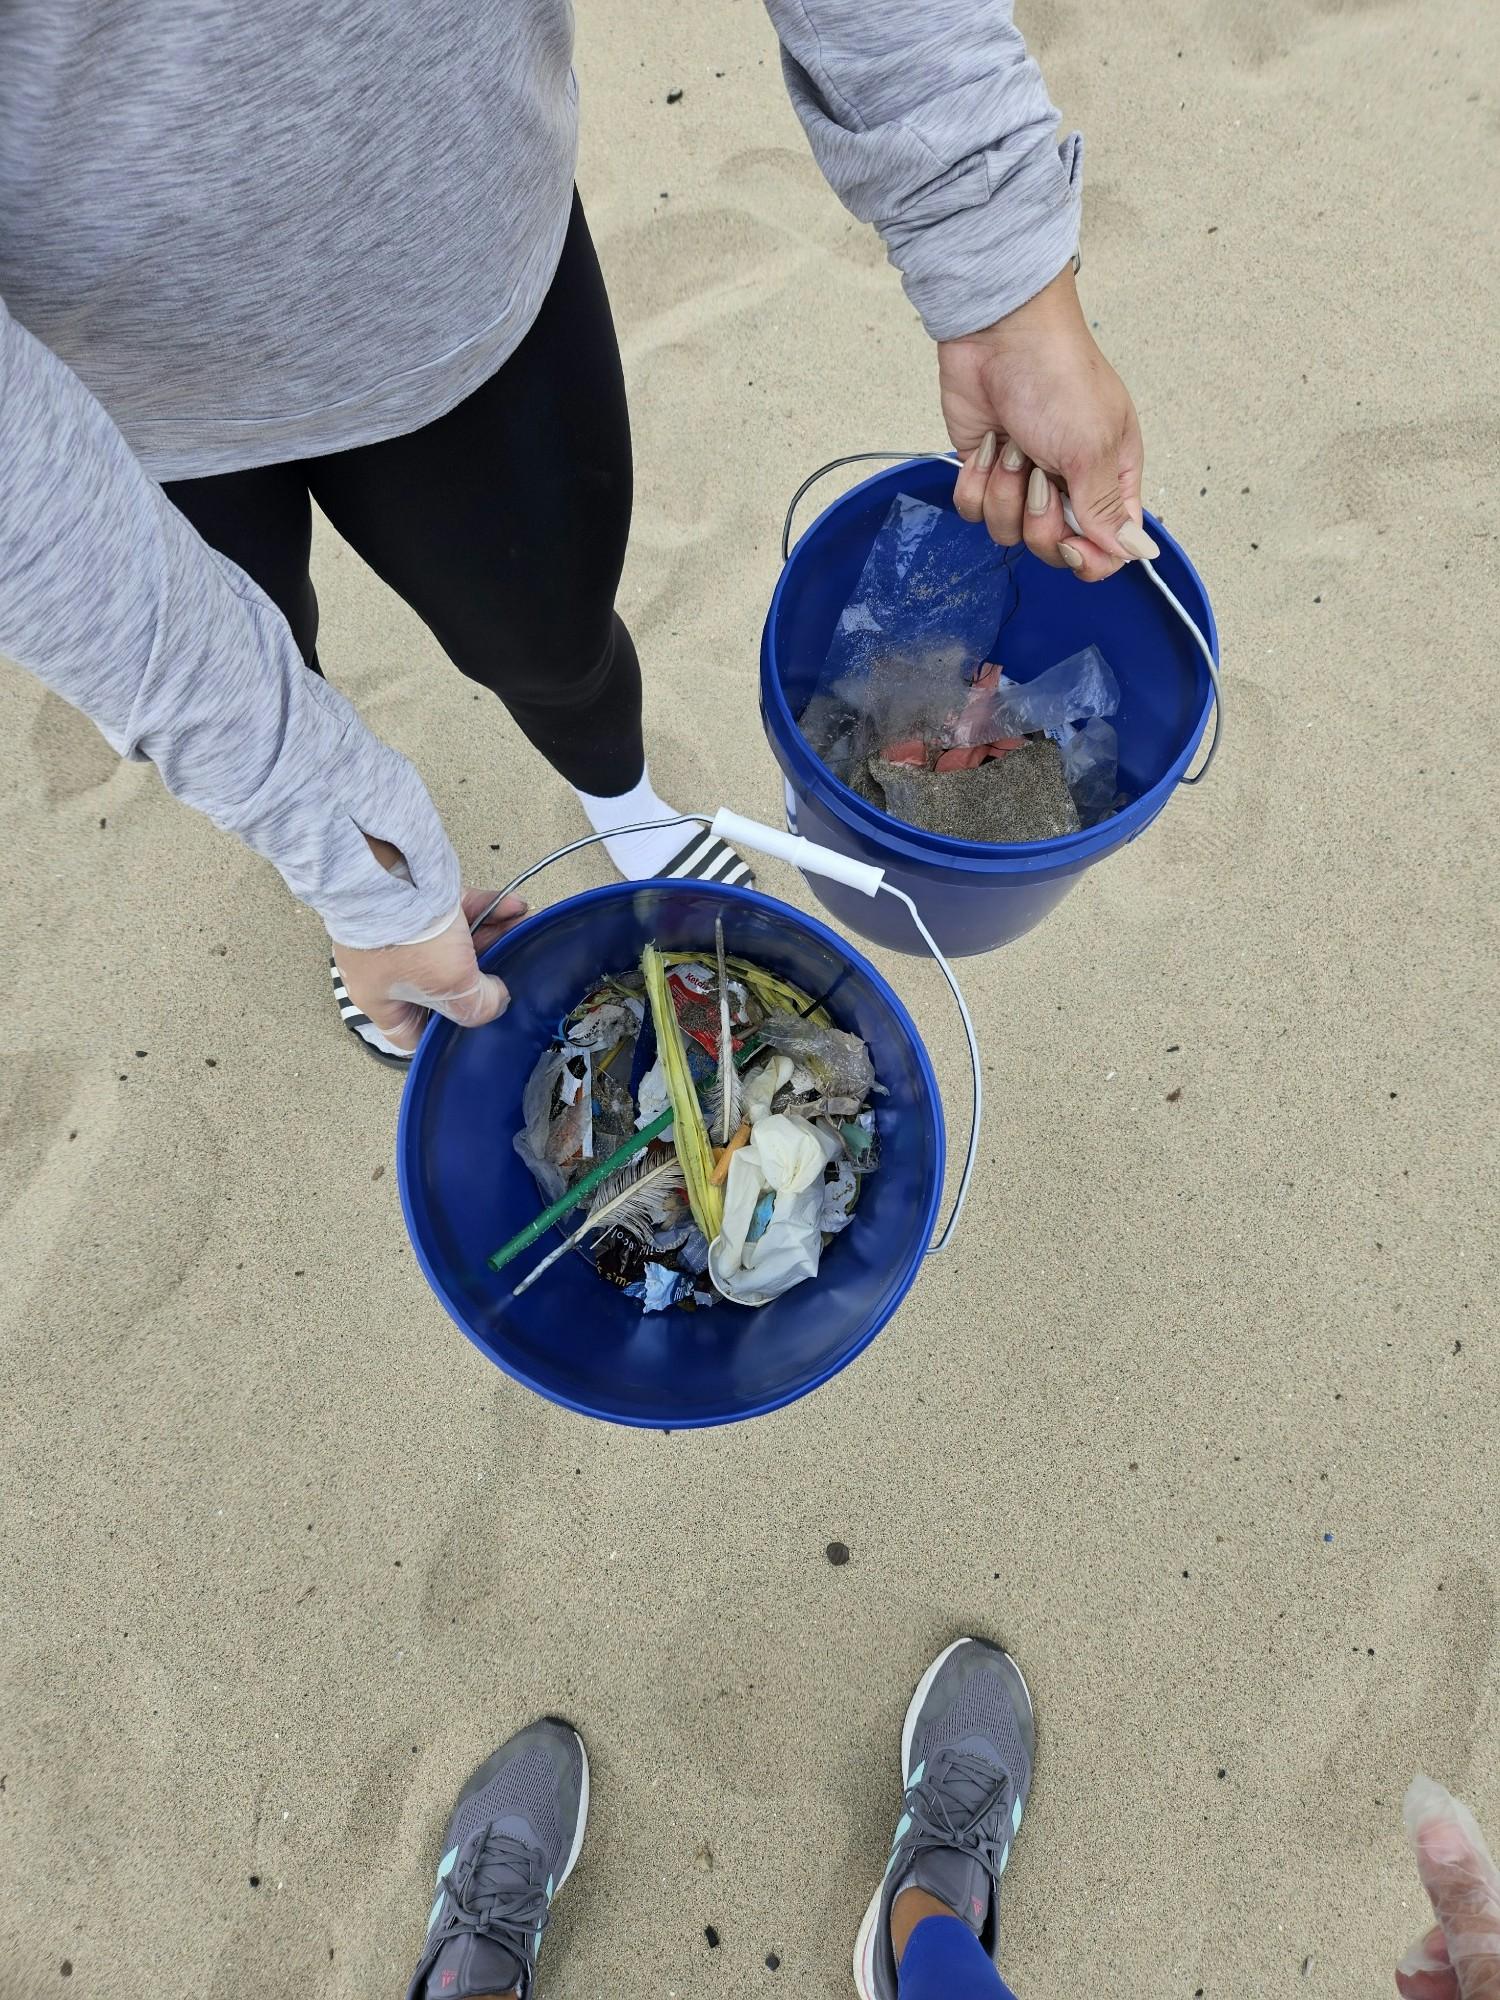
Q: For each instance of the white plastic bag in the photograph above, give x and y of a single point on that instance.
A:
(785, 1157)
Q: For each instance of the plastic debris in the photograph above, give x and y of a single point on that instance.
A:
(660, 1287)
(788, 1181)
(559, 1118)
(1076, 689)
(839, 1062)
(606, 1025)
(773, 1202)
(1091, 766)
(925, 601)
(910, 713)
(652, 1096)
(839, 1196)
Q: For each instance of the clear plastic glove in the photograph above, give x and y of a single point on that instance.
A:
(399, 986)
(1459, 1958)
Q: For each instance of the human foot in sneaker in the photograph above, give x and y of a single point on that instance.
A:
(512, 1841)
(967, 1752)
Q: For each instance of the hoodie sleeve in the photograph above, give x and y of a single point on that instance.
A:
(930, 121)
(115, 602)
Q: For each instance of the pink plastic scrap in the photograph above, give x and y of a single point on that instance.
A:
(912, 751)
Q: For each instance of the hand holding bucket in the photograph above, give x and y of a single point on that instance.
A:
(1153, 623)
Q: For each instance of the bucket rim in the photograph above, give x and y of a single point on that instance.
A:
(801, 764)
(439, 1031)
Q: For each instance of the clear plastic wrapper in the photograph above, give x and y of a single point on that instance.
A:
(1091, 768)
(927, 595)
(557, 1107)
(838, 1063)
(1075, 690)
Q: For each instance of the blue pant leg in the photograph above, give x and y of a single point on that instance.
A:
(945, 1961)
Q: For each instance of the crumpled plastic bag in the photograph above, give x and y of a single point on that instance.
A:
(761, 1085)
(1091, 769)
(910, 702)
(1075, 690)
(933, 587)
(784, 1158)
(838, 1063)
(921, 618)
(548, 1143)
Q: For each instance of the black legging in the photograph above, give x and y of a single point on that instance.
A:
(502, 524)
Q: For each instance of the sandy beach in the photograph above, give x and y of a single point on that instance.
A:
(1199, 1415)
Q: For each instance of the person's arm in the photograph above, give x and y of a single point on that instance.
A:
(111, 598)
(930, 121)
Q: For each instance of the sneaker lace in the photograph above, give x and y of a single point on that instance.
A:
(496, 1892)
(962, 1802)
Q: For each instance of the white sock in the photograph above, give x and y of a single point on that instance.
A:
(638, 856)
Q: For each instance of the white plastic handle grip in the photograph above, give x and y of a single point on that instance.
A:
(741, 832)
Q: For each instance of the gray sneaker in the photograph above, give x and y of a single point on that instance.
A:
(967, 1752)
(512, 1841)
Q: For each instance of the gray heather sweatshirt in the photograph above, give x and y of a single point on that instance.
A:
(235, 234)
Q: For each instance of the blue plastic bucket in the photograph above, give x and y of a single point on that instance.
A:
(571, 1337)
(975, 895)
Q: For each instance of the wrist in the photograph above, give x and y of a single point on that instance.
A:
(436, 930)
(1054, 310)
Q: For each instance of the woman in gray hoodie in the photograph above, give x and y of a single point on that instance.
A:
(252, 257)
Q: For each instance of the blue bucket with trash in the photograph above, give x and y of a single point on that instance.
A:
(1153, 624)
(573, 1338)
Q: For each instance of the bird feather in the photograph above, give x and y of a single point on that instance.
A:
(625, 1200)
(631, 1198)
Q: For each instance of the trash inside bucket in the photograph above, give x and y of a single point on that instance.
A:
(974, 895)
(464, 1190)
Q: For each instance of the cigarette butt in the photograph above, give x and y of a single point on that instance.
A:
(724, 1154)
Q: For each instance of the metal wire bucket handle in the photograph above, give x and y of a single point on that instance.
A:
(806, 854)
(952, 458)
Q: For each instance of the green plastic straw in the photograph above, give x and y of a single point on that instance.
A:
(581, 1189)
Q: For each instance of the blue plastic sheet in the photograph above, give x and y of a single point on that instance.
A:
(927, 598)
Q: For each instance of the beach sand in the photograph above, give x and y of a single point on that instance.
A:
(1198, 1417)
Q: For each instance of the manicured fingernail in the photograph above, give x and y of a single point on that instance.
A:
(1136, 542)
(1070, 555)
(1012, 458)
(984, 458)
(1038, 491)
